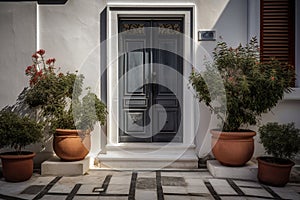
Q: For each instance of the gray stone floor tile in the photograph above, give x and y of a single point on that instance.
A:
(145, 194)
(62, 188)
(286, 192)
(194, 181)
(113, 198)
(173, 174)
(118, 189)
(146, 174)
(175, 189)
(86, 198)
(256, 192)
(197, 189)
(120, 180)
(221, 186)
(173, 181)
(247, 183)
(87, 189)
(54, 197)
(147, 183)
(233, 198)
(174, 197)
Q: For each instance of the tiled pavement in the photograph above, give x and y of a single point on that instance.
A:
(164, 184)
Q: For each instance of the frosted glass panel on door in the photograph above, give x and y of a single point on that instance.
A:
(135, 72)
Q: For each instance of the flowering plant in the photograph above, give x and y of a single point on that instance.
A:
(251, 87)
(39, 68)
(57, 96)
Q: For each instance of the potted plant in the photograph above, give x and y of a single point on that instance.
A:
(17, 132)
(69, 117)
(245, 89)
(282, 142)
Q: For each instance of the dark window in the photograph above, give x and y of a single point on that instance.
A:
(277, 30)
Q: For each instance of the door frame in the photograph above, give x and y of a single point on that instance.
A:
(113, 14)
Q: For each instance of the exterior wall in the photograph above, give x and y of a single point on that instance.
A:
(71, 34)
(18, 41)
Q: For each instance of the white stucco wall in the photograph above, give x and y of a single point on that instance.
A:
(71, 34)
(18, 41)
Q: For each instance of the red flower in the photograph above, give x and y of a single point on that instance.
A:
(41, 52)
(272, 78)
(50, 60)
(28, 70)
(60, 75)
(39, 73)
(35, 56)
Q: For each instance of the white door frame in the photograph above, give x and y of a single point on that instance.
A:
(112, 70)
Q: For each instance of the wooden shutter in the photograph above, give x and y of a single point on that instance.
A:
(277, 36)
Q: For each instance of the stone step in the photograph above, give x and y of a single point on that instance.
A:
(150, 156)
(55, 167)
(247, 172)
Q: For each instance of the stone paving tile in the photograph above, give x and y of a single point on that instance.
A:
(286, 193)
(120, 180)
(112, 198)
(118, 189)
(173, 181)
(196, 186)
(221, 186)
(86, 198)
(256, 192)
(173, 174)
(146, 183)
(233, 198)
(54, 197)
(247, 183)
(88, 189)
(145, 194)
(174, 189)
(147, 174)
(174, 197)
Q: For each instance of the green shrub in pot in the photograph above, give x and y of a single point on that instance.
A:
(281, 141)
(238, 89)
(16, 133)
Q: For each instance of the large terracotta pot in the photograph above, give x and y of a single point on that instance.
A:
(17, 167)
(71, 145)
(233, 148)
(274, 174)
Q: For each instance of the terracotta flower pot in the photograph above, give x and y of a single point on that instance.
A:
(274, 174)
(71, 145)
(17, 167)
(233, 148)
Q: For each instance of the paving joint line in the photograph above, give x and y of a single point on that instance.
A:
(106, 183)
(132, 188)
(212, 190)
(235, 187)
(47, 188)
(159, 189)
(72, 194)
(271, 192)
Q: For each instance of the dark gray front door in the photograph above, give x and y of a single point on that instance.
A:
(150, 75)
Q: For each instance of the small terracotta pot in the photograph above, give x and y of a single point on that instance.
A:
(232, 148)
(71, 145)
(274, 174)
(17, 167)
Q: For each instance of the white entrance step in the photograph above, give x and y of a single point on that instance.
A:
(148, 156)
(247, 172)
